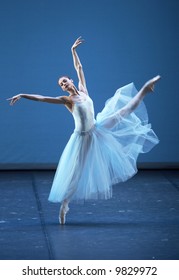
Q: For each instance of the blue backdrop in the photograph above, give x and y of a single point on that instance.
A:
(125, 41)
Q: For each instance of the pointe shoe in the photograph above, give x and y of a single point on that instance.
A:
(62, 216)
(149, 86)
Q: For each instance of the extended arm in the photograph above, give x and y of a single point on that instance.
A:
(78, 65)
(36, 97)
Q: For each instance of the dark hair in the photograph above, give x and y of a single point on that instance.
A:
(65, 76)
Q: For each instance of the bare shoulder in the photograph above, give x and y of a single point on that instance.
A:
(82, 88)
(67, 101)
(62, 99)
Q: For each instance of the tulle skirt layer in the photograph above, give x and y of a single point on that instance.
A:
(93, 161)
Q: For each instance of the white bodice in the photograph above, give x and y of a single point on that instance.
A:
(83, 112)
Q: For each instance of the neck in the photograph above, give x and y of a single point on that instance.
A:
(73, 91)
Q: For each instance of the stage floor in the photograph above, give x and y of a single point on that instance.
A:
(140, 222)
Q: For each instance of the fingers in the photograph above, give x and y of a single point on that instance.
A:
(13, 100)
(9, 98)
(78, 41)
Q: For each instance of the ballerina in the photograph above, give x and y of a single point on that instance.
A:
(102, 151)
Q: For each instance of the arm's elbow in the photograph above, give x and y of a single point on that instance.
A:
(79, 67)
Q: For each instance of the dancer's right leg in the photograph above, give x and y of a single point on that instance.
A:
(133, 103)
(136, 100)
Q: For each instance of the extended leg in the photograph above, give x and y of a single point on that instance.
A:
(135, 101)
(132, 105)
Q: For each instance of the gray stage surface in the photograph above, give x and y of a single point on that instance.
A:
(140, 222)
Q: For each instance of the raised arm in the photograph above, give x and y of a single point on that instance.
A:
(78, 65)
(36, 97)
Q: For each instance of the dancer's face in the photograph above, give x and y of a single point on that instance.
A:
(65, 83)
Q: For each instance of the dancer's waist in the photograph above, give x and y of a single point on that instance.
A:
(85, 131)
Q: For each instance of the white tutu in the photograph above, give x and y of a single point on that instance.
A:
(105, 152)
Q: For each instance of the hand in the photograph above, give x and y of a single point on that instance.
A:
(14, 99)
(77, 43)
